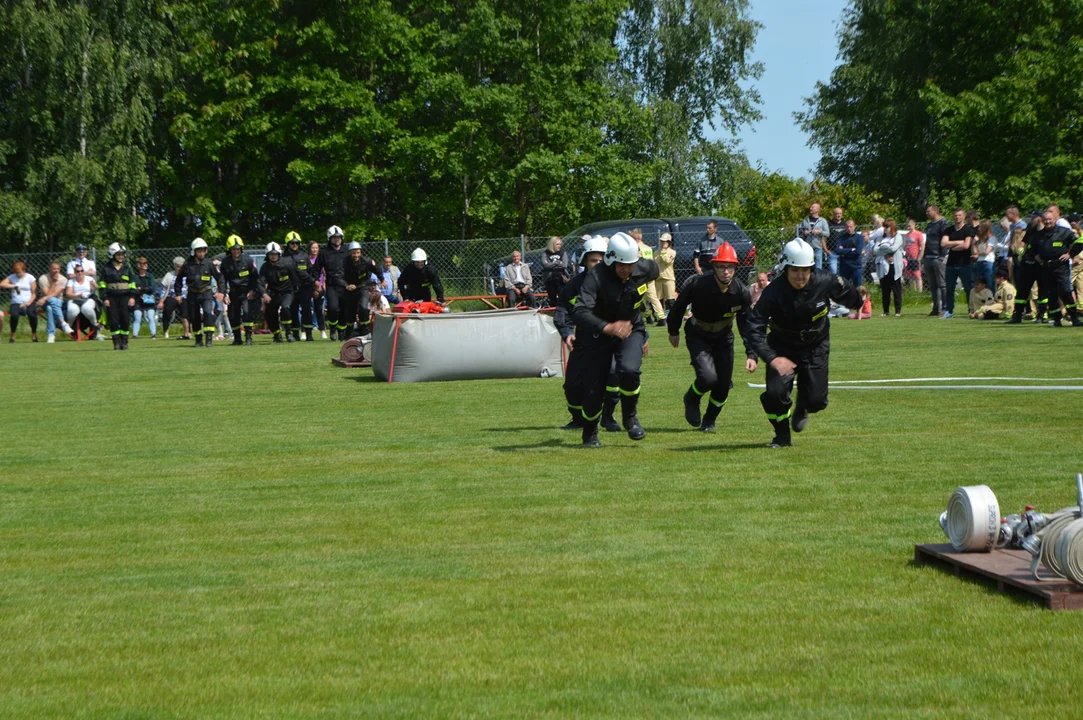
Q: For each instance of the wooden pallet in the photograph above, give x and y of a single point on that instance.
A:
(1010, 569)
(342, 363)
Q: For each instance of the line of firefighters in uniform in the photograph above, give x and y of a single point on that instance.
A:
(284, 286)
(599, 316)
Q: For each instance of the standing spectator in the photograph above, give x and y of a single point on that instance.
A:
(23, 291)
(315, 269)
(985, 259)
(389, 280)
(1057, 219)
(933, 259)
(518, 283)
(707, 246)
(957, 242)
(51, 287)
(762, 281)
(146, 299)
(912, 252)
(889, 266)
(980, 296)
(849, 248)
(647, 253)
(173, 303)
(875, 234)
(814, 230)
(1077, 264)
(554, 269)
(80, 258)
(665, 286)
(837, 227)
(80, 295)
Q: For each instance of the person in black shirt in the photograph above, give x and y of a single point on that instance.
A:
(795, 306)
(242, 285)
(356, 272)
(302, 296)
(332, 260)
(933, 258)
(418, 280)
(197, 273)
(716, 300)
(278, 279)
(706, 248)
(117, 285)
(957, 242)
(1052, 248)
(836, 226)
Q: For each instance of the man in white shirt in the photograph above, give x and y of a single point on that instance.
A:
(81, 259)
(517, 282)
(1061, 222)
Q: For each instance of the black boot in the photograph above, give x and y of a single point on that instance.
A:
(628, 405)
(1074, 314)
(1017, 315)
(1056, 319)
(296, 335)
(799, 419)
(277, 337)
(209, 338)
(199, 339)
(237, 339)
(609, 423)
(123, 342)
(116, 341)
(782, 434)
(308, 335)
(577, 419)
(691, 407)
(289, 335)
(590, 434)
(1039, 317)
(334, 333)
(710, 416)
(248, 336)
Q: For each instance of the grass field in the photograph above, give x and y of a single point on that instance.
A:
(248, 532)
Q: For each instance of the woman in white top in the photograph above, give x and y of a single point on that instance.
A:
(23, 291)
(890, 263)
(985, 261)
(80, 295)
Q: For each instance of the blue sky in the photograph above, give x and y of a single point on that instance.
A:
(798, 45)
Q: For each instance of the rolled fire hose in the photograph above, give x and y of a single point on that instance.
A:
(972, 520)
(1059, 545)
(352, 351)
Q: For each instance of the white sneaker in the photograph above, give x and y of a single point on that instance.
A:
(51, 339)
(323, 334)
(66, 328)
(166, 336)
(101, 338)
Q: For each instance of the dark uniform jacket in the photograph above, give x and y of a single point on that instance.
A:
(116, 283)
(278, 278)
(240, 275)
(713, 310)
(333, 261)
(358, 274)
(797, 318)
(562, 315)
(415, 284)
(300, 263)
(198, 274)
(1047, 246)
(603, 298)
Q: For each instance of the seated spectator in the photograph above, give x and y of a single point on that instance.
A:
(51, 288)
(518, 284)
(81, 259)
(81, 302)
(377, 299)
(849, 248)
(389, 281)
(980, 295)
(866, 305)
(756, 290)
(146, 301)
(1003, 302)
(23, 292)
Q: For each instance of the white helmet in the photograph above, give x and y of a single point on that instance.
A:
(116, 248)
(797, 253)
(418, 255)
(354, 246)
(622, 249)
(273, 247)
(196, 245)
(334, 230)
(595, 244)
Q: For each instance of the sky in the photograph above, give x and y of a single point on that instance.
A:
(798, 45)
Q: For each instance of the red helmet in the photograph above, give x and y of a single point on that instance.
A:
(725, 254)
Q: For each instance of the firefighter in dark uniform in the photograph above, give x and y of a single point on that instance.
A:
(608, 323)
(795, 306)
(1027, 271)
(332, 260)
(418, 280)
(116, 283)
(278, 280)
(356, 272)
(242, 286)
(198, 271)
(593, 251)
(1054, 248)
(302, 297)
(717, 299)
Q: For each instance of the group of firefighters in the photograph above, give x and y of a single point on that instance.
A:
(284, 286)
(599, 316)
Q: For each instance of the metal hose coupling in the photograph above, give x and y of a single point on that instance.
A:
(972, 520)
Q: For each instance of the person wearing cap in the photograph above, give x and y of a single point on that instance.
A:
(118, 290)
(795, 306)
(419, 279)
(608, 323)
(196, 275)
(242, 287)
(592, 254)
(81, 259)
(717, 300)
(278, 280)
(172, 303)
(554, 269)
(333, 260)
(302, 298)
(1003, 301)
(665, 287)
(358, 270)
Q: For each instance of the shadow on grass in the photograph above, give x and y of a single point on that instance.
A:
(363, 378)
(723, 446)
(543, 445)
(601, 432)
(989, 585)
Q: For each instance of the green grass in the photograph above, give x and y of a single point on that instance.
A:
(248, 532)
